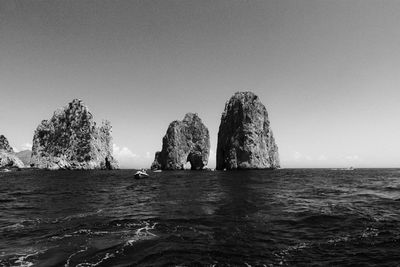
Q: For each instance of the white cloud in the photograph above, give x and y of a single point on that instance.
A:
(322, 158)
(26, 146)
(123, 153)
(352, 158)
(297, 155)
(125, 157)
(148, 155)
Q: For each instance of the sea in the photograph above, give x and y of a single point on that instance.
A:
(286, 217)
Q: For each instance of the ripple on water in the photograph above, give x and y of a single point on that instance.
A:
(285, 217)
(97, 247)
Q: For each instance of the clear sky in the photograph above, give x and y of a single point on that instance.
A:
(327, 71)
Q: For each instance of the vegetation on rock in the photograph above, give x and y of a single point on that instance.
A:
(71, 140)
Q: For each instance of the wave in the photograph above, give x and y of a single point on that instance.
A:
(12, 227)
(321, 219)
(79, 215)
(82, 232)
(87, 264)
(22, 259)
(26, 223)
(108, 252)
(366, 234)
(21, 193)
(142, 233)
(7, 200)
(74, 254)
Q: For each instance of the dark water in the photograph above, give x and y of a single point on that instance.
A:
(254, 218)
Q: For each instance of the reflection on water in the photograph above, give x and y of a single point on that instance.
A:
(252, 218)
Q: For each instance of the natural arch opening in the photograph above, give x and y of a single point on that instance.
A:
(196, 160)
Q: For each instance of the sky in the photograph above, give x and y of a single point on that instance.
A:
(327, 71)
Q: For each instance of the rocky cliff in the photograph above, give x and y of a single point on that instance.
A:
(7, 157)
(185, 141)
(245, 139)
(4, 145)
(72, 140)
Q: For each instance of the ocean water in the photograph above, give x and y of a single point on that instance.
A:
(288, 217)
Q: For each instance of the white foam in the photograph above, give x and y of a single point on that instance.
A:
(79, 215)
(142, 233)
(338, 239)
(370, 232)
(14, 226)
(73, 254)
(22, 261)
(87, 264)
(81, 232)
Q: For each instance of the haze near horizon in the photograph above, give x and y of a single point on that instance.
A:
(327, 72)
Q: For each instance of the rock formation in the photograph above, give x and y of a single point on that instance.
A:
(185, 141)
(9, 161)
(7, 157)
(71, 140)
(4, 145)
(245, 139)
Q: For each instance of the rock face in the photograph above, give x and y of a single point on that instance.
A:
(185, 141)
(4, 145)
(7, 157)
(245, 139)
(9, 161)
(71, 140)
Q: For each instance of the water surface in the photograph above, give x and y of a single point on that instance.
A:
(288, 217)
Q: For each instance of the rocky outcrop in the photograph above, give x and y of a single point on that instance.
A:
(245, 139)
(185, 141)
(4, 145)
(71, 140)
(8, 160)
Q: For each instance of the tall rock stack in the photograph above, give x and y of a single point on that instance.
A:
(7, 157)
(4, 145)
(245, 139)
(71, 140)
(185, 141)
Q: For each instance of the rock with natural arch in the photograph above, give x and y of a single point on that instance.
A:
(185, 141)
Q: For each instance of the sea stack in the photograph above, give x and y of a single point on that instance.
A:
(71, 140)
(8, 159)
(5, 145)
(185, 141)
(245, 139)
